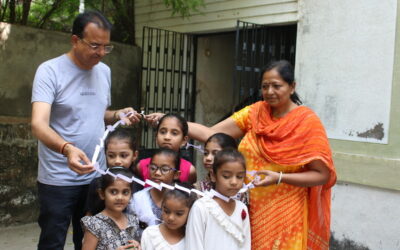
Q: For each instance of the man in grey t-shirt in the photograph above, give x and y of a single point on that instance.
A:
(70, 97)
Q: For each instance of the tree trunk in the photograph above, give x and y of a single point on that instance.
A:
(3, 12)
(125, 17)
(26, 6)
(12, 11)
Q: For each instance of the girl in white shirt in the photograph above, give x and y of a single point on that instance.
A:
(214, 223)
(146, 204)
(170, 235)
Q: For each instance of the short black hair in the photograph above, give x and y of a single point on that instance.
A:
(90, 16)
(188, 198)
(121, 134)
(107, 180)
(228, 155)
(223, 140)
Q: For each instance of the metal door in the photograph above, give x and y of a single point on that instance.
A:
(256, 45)
(168, 76)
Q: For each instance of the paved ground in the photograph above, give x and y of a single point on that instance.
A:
(25, 237)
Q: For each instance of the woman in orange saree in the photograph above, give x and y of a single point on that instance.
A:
(286, 145)
(291, 214)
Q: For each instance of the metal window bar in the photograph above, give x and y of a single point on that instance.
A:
(168, 85)
(256, 45)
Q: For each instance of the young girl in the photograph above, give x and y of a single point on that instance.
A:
(171, 233)
(217, 224)
(112, 228)
(120, 149)
(212, 146)
(163, 167)
(172, 133)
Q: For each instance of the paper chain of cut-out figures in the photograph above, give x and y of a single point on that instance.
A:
(160, 186)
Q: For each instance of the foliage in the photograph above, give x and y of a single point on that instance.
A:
(184, 7)
(59, 14)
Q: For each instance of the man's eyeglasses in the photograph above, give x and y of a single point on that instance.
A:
(96, 47)
(163, 169)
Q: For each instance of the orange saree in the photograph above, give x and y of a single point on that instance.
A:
(285, 216)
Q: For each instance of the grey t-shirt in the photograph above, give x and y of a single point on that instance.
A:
(79, 99)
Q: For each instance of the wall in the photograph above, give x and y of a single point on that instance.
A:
(217, 15)
(22, 49)
(366, 215)
(341, 38)
(214, 77)
(352, 86)
(347, 70)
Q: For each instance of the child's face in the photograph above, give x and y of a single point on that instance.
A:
(119, 153)
(170, 135)
(174, 213)
(229, 178)
(162, 169)
(116, 196)
(211, 149)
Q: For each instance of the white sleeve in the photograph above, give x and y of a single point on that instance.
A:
(145, 242)
(195, 227)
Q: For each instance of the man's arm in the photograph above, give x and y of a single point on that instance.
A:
(43, 132)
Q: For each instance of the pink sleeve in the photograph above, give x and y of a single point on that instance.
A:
(144, 170)
(185, 170)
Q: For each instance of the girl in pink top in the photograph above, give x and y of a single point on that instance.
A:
(172, 133)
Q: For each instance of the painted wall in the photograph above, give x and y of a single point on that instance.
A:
(348, 82)
(353, 88)
(347, 70)
(22, 49)
(366, 216)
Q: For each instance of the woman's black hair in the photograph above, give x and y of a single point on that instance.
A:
(188, 198)
(121, 134)
(223, 140)
(286, 71)
(87, 17)
(171, 153)
(182, 122)
(227, 155)
(105, 181)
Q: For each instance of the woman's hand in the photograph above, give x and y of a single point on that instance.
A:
(132, 244)
(153, 119)
(315, 173)
(267, 178)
